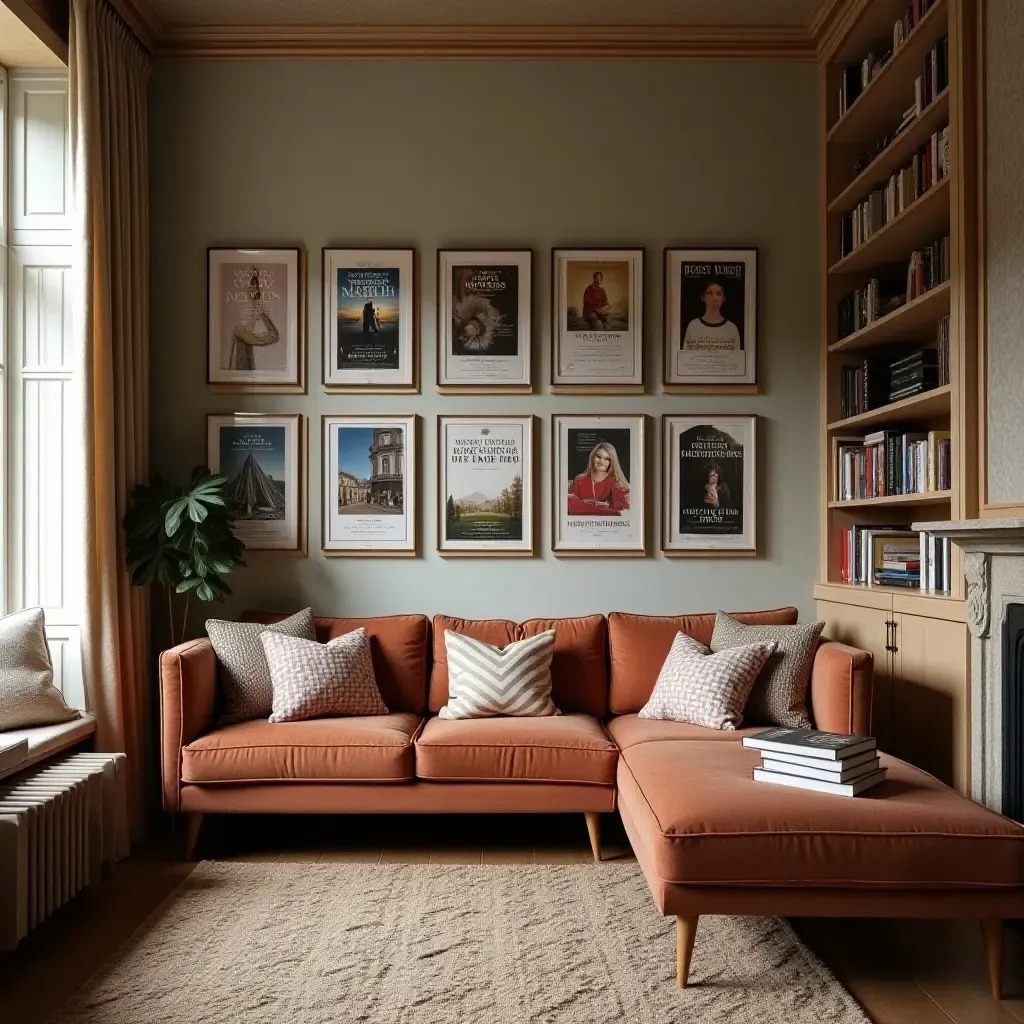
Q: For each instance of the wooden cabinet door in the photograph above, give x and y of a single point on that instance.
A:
(930, 701)
(865, 628)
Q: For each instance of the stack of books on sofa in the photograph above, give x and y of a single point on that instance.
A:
(826, 762)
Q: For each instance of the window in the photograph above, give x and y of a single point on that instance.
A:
(40, 506)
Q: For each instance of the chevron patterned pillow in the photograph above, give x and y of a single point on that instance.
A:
(701, 688)
(484, 681)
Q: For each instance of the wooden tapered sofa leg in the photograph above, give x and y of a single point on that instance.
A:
(686, 932)
(193, 823)
(594, 831)
(992, 929)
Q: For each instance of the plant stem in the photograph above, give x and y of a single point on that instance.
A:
(184, 618)
(170, 614)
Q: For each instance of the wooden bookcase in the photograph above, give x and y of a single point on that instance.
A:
(911, 693)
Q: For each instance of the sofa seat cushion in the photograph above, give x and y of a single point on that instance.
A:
(628, 730)
(375, 748)
(702, 820)
(562, 748)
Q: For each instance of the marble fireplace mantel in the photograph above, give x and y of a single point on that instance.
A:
(994, 571)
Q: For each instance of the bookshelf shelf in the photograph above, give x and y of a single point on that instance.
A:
(879, 108)
(891, 500)
(896, 155)
(920, 224)
(929, 405)
(913, 321)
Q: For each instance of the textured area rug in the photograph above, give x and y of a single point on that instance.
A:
(410, 944)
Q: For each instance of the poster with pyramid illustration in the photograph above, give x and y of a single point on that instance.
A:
(259, 457)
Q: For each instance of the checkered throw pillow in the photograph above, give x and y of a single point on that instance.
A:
(779, 696)
(701, 688)
(312, 680)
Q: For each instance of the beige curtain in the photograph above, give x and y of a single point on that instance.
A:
(109, 71)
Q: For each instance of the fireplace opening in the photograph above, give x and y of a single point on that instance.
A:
(1013, 712)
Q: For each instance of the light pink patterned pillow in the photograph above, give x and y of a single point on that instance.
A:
(701, 688)
(313, 680)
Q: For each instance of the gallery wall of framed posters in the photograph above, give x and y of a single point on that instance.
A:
(370, 328)
(485, 485)
(264, 460)
(256, 321)
(597, 307)
(598, 485)
(711, 321)
(484, 311)
(709, 485)
(368, 485)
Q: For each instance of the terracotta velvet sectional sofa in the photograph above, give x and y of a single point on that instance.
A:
(708, 838)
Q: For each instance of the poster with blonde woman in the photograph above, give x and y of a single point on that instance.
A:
(711, 316)
(599, 484)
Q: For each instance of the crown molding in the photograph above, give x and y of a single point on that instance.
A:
(831, 22)
(505, 42)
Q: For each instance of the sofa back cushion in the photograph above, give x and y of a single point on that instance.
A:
(579, 667)
(639, 645)
(400, 646)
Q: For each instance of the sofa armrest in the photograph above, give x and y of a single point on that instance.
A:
(188, 688)
(841, 683)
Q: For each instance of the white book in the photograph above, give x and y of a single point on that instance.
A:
(847, 774)
(834, 768)
(835, 788)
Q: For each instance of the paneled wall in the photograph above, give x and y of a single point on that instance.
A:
(41, 506)
(507, 154)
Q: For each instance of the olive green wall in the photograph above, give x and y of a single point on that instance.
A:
(498, 154)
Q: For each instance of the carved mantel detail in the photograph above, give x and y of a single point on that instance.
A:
(976, 571)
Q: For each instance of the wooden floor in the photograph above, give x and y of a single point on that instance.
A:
(903, 972)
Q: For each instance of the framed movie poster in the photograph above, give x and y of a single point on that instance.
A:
(598, 316)
(256, 320)
(264, 460)
(711, 320)
(483, 320)
(370, 320)
(598, 485)
(709, 487)
(485, 485)
(369, 485)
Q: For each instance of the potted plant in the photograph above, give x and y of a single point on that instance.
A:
(182, 538)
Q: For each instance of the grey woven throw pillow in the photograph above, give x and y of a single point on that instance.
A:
(329, 680)
(245, 684)
(27, 695)
(779, 696)
(700, 688)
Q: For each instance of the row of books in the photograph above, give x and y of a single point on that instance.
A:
(927, 268)
(934, 76)
(942, 346)
(911, 19)
(891, 462)
(927, 168)
(894, 556)
(825, 762)
(857, 77)
(879, 380)
(879, 297)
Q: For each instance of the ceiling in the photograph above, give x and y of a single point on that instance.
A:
(176, 13)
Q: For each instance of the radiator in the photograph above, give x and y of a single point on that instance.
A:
(62, 825)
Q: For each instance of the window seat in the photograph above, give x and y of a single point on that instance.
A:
(46, 740)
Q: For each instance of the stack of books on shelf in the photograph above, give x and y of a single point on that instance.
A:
(934, 76)
(928, 167)
(865, 386)
(928, 268)
(825, 762)
(910, 20)
(893, 556)
(890, 462)
(913, 374)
